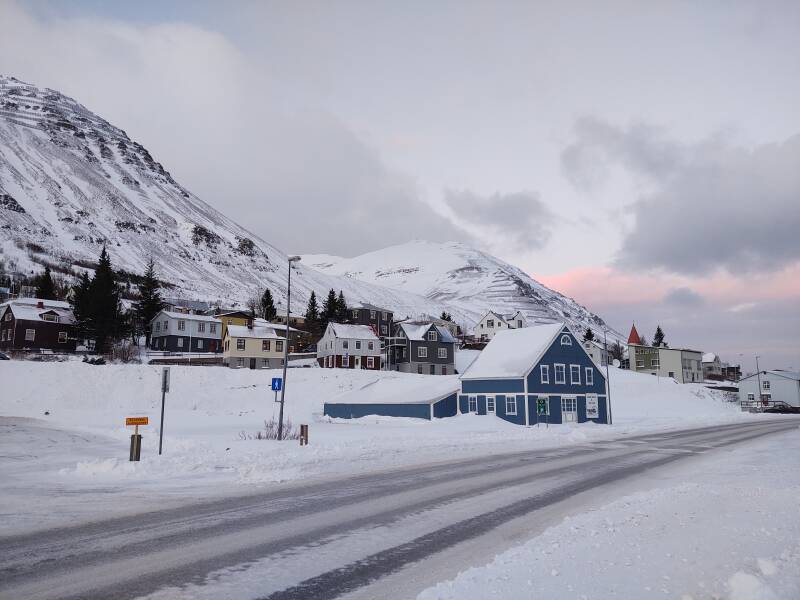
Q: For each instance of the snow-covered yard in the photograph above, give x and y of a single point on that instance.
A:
(76, 457)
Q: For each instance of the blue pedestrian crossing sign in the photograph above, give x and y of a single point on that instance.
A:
(277, 382)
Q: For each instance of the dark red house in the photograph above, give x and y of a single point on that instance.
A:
(30, 324)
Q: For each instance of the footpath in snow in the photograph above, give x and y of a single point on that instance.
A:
(71, 465)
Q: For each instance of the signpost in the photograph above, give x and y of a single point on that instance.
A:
(136, 439)
(277, 385)
(592, 408)
(164, 390)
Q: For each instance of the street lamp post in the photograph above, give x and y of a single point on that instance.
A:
(292, 259)
(608, 380)
(758, 377)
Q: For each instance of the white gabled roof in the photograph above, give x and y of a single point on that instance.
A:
(512, 353)
(261, 333)
(352, 332)
(709, 357)
(27, 310)
(188, 317)
(417, 332)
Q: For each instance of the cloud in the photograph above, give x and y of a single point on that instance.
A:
(711, 204)
(292, 172)
(520, 217)
(683, 296)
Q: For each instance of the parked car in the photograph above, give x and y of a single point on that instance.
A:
(4, 356)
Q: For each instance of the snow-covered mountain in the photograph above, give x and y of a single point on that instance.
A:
(71, 182)
(463, 278)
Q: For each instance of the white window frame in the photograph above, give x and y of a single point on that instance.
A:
(511, 405)
(370, 345)
(655, 363)
(370, 362)
(442, 352)
(751, 397)
(346, 344)
(278, 345)
(563, 374)
(431, 336)
(566, 340)
(358, 344)
(30, 335)
(544, 373)
(589, 376)
(422, 352)
(213, 328)
(240, 345)
(62, 337)
(200, 344)
(181, 325)
(158, 325)
(201, 327)
(355, 313)
(266, 346)
(372, 315)
(766, 385)
(180, 342)
(572, 370)
(472, 401)
(640, 363)
(493, 404)
(345, 361)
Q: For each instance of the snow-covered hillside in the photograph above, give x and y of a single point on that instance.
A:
(466, 279)
(70, 182)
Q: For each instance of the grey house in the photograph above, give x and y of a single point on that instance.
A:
(179, 332)
(379, 319)
(423, 348)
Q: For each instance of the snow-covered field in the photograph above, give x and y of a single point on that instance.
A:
(725, 526)
(76, 457)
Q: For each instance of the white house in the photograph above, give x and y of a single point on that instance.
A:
(256, 347)
(712, 367)
(597, 351)
(180, 332)
(349, 347)
(779, 389)
(492, 322)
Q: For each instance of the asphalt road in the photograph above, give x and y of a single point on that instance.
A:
(340, 538)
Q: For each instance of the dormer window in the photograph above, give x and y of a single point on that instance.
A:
(431, 336)
(50, 317)
(566, 340)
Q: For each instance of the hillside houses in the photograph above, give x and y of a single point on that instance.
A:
(492, 322)
(183, 332)
(33, 324)
(423, 348)
(681, 364)
(252, 346)
(347, 346)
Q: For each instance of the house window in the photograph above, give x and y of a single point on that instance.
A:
(201, 327)
(345, 344)
(181, 325)
(490, 404)
(199, 344)
(490, 323)
(671, 374)
(575, 374)
(372, 315)
(49, 317)
(240, 362)
(765, 385)
(431, 336)
(230, 321)
(265, 345)
(62, 337)
(544, 373)
(3, 335)
(166, 325)
(511, 405)
(358, 344)
(589, 376)
(561, 374)
(656, 363)
(355, 314)
(8, 316)
(640, 363)
(213, 328)
(385, 316)
(30, 335)
(519, 323)
(419, 369)
(180, 342)
(345, 361)
(433, 369)
(384, 329)
(444, 369)
(240, 345)
(370, 362)
(264, 362)
(422, 352)
(751, 397)
(278, 345)
(442, 352)
(566, 340)
(473, 404)
(158, 325)
(370, 345)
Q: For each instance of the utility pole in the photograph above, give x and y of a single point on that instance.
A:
(608, 379)
(758, 376)
(292, 259)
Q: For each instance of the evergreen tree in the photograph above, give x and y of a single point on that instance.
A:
(658, 336)
(643, 341)
(446, 316)
(312, 315)
(104, 305)
(81, 308)
(328, 310)
(341, 308)
(267, 307)
(45, 289)
(616, 351)
(589, 335)
(150, 301)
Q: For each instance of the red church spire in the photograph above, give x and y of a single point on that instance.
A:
(634, 338)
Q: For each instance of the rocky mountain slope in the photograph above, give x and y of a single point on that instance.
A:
(71, 182)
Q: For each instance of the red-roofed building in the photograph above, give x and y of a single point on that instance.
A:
(634, 338)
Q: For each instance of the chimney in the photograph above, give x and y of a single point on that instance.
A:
(40, 304)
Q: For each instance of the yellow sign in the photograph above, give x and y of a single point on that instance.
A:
(136, 421)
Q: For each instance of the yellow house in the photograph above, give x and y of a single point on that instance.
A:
(252, 347)
(235, 317)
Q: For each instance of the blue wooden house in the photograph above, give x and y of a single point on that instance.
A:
(534, 375)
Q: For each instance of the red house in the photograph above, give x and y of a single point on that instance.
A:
(30, 324)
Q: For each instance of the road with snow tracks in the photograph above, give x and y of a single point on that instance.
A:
(388, 534)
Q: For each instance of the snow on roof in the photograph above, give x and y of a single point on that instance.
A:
(513, 352)
(352, 332)
(779, 372)
(401, 388)
(36, 301)
(417, 332)
(709, 357)
(243, 331)
(189, 317)
(26, 312)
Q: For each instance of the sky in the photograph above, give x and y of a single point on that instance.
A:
(639, 157)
